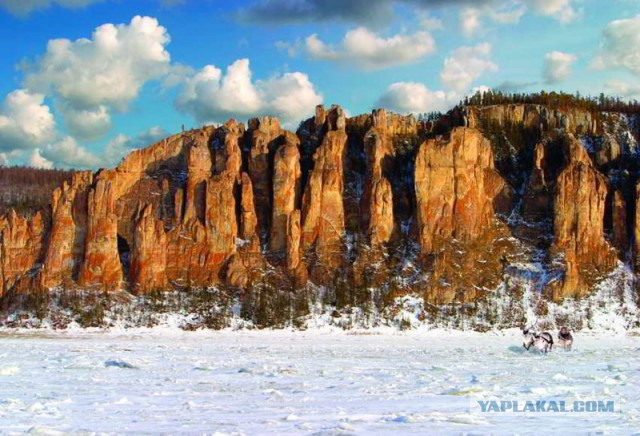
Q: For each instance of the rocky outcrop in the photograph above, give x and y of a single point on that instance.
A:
(296, 268)
(199, 167)
(377, 197)
(322, 204)
(356, 202)
(608, 151)
(149, 254)
(532, 116)
(579, 211)
(67, 238)
(394, 125)
(538, 199)
(101, 269)
(264, 137)
(456, 187)
(286, 190)
(381, 223)
(619, 223)
(248, 217)
(22, 241)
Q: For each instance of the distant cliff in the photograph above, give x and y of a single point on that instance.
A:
(447, 209)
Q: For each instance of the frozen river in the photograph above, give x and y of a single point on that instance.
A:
(320, 382)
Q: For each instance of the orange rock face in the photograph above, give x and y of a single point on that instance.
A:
(286, 190)
(264, 134)
(580, 203)
(67, 239)
(322, 205)
(341, 201)
(459, 234)
(619, 223)
(101, 268)
(456, 185)
(22, 241)
(533, 116)
(149, 254)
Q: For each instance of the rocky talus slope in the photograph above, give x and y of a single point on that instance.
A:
(444, 208)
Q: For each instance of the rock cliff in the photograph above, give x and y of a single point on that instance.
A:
(350, 200)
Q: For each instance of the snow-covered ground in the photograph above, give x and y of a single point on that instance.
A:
(321, 381)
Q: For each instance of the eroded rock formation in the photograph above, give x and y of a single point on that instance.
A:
(357, 201)
(580, 203)
(322, 204)
(456, 187)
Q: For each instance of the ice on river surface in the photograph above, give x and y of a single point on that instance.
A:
(326, 382)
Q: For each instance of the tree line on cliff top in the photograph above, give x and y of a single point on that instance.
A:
(554, 100)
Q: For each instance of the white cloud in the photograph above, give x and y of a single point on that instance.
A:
(86, 124)
(210, 95)
(90, 77)
(624, 89)
(472, 18)
(620, 46)
(557, 66)
(470, 23)
(37, 161)
(365, 49)
(510, 13)
(412, 97)
(465, 65)
(561, 10)
(25, 121)
(25, 7)
(67, 153)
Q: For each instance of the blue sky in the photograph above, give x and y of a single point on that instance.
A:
(86, 81)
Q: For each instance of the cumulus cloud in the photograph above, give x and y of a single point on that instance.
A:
(466, 64)
(363, 48)
(620, 47)
(470, 21)
(472, 18)
(210, 95)
(25, 7)
(624, 89)
(86, 124)
(557, 66)
(67, 153)
(353, 11)
(413, 97)
(91, 77)
(561, 10)
(25, 121)
(37, 161)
